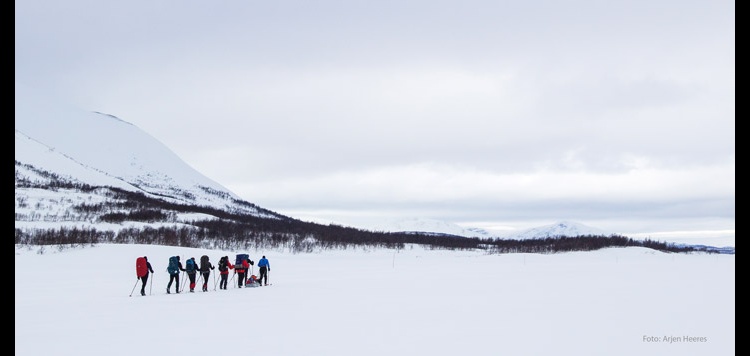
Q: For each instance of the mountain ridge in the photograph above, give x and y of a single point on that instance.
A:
(104, 150)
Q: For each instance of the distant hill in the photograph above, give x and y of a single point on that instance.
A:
(433, 226)
(429, 226)
(563, 228)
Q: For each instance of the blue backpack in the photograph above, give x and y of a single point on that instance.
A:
(190, 265)
(238, 261)
(174, 265)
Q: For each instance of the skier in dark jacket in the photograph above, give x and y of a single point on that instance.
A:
(144, 278)
(224, 267)
(175, 277)
(205, 272)
(265, 267)
(192, 274)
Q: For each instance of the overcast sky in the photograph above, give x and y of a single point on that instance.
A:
(495, 114)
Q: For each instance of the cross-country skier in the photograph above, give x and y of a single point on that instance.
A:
(265, 267)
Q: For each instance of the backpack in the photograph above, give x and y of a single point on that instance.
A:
(190, 265)
(252, 281)
(141, 267)
(205, 266)
(223, 264)
(174, 265)
(238, 261)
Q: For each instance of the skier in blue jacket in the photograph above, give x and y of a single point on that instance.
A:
(265, 267)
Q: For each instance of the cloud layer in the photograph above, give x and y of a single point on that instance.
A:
(505, 113)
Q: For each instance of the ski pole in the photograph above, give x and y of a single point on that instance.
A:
(183, 282)
(214, 280)
(136, 283)
(151, 284)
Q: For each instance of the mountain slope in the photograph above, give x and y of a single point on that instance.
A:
(58, 151)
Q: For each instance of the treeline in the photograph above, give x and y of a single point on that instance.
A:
(234, 236)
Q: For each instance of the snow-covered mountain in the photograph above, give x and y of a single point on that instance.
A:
(562, 228)
(430, 226)
(60, 151)
(440, 227)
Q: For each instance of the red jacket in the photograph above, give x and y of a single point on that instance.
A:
(230, 266)
(243, 268)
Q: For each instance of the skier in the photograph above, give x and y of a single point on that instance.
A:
(241, 269)
(144, 278)
(265, 267)
(191, 272)
(205, 269)
(224, 267)
(174, 275)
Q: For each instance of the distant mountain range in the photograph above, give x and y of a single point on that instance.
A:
(563, 228)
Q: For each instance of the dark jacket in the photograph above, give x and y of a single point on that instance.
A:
(207, 267)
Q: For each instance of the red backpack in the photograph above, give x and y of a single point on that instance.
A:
(141, 267)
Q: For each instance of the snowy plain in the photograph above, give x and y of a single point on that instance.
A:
(414, 301)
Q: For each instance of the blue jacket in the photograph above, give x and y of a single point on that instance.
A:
(264, 263)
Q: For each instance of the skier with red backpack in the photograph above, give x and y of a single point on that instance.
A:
(142, 269)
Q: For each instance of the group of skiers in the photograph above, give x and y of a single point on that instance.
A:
(204, 268)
